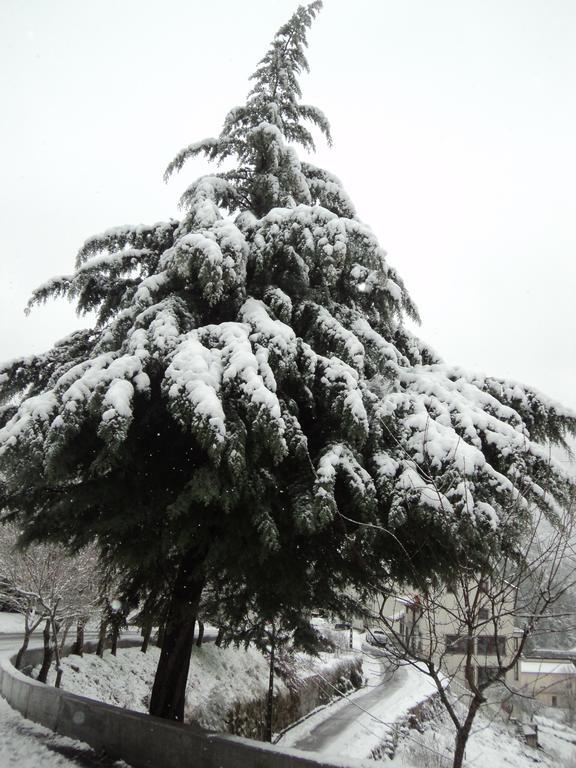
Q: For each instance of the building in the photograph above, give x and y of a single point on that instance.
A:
(551, 681)
(453, 627)
(470, 635)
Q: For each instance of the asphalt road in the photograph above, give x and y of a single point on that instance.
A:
(10, 642)
(322, 735)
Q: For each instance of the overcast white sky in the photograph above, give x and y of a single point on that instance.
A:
(454, 129)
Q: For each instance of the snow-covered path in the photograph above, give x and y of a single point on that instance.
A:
(359, 723)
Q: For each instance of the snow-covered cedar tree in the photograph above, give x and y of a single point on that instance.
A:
(250, 394)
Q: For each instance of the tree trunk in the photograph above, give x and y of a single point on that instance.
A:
(161, 633)
(219, 637)
(79, 644)
(59, 670)
(168, 692)
(200, 633)
(48, 650)
(146, 632)
(102, 638)
(464, 732)
(270, 697)
(23, 649)
(115, 636)
(459, 750)
(67, 626)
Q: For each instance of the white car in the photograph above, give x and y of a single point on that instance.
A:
(377, 637)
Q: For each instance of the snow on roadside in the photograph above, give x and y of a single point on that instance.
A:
(492, 743)
(323, 664)
(11, 623)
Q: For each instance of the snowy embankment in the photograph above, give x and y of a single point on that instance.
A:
(557, 739)
(219, 679)
(494, 742)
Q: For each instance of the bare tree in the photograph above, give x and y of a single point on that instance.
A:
(20, 582)
(45, 584)
(113, 607)
(469, 634)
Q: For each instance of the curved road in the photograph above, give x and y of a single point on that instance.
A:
(322, 736)
(10, 642)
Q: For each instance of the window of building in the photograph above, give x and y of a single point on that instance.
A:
(487, 673)
(516, 672)
(554, 701)
(487, 644)
(483, 614)
(457, 644)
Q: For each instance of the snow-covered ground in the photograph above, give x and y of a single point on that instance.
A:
(493, 743)
(558, 740)
(382, 705)
(11, 623)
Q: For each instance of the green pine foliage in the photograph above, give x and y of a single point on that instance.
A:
(250, 389)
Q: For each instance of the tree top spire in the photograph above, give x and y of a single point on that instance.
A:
(268, 172)
(276, 87)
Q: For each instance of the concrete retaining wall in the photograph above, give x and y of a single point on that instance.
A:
(141, 740)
